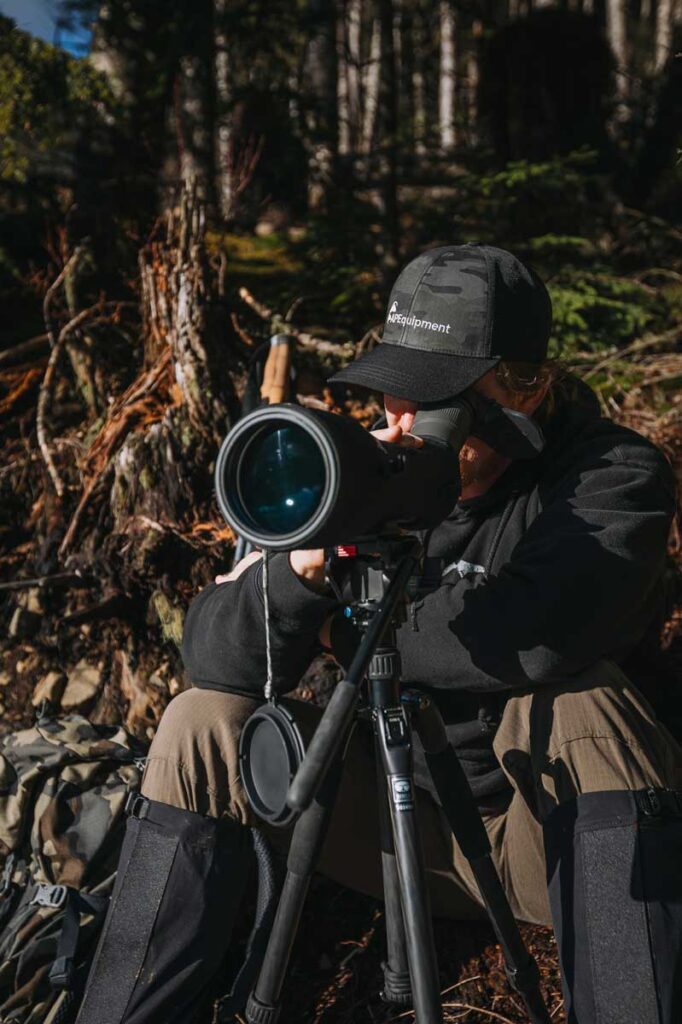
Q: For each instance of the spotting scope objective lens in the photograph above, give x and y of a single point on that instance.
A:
(282, 478)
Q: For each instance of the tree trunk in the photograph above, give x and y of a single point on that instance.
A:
(446, 82)
(371, 85)
(194, 127)
(321, 102)
(616, 34)
(223, 128)
(473, 78)
(145, 476)
(419, 85)
(389, 144)
(342, 97)
(178, 293)
(664, 34)
(353, 65)
(406, 92)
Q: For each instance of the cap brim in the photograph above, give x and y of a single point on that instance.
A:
(413, 374)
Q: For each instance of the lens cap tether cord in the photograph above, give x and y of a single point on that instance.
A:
(272, 753)
(271, 747)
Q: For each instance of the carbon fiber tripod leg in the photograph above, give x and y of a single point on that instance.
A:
(392, 729)
(397, 988)
(468, 829)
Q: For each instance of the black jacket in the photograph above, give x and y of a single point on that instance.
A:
(558, 565)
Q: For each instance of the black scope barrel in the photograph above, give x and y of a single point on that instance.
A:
(288, 477)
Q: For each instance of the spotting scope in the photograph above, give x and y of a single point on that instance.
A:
(287, 477)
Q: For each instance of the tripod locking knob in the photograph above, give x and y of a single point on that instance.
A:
(384, 665)
(260, 1013)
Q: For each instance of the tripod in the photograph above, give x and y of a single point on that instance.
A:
(383, 573)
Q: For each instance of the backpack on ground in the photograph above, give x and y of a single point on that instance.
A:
(64, 784)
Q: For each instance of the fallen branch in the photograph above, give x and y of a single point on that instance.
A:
(240, 332)
(45, 391)
(50, 373)
(650, 341)
(25, 350)
(443, 992)
(280, 325)
(70, 265)
(26, 383)
(74, 580)
(478, 1009)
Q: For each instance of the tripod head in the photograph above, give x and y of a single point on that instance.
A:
(375, 578)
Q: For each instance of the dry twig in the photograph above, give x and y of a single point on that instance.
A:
(280, 325)
(24, 350)
(46, 386)
(71, 264)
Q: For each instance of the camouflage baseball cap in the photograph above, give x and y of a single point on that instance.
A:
(454, 313)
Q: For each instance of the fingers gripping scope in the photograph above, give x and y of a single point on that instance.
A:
(288, 477)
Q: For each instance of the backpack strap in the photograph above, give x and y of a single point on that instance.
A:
(75, 903)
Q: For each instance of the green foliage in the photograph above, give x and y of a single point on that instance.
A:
(559, 197)
(45, 98)
(594, 311)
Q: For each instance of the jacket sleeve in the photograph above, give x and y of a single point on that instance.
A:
(223, 643)
(580, 585)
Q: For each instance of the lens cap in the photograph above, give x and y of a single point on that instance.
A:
(271, 749)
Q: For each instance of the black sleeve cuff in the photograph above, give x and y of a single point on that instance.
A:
(291, 601)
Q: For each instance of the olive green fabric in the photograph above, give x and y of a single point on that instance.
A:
(592, 733)
(63, 787)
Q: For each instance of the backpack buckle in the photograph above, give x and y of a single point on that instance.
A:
(136, 805)
(49, 896)
(61, 973)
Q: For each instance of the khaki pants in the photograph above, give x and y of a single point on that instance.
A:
(593, 733)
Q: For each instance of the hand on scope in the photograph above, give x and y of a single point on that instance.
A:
(400, 415)
(239, 568)
(396, 435)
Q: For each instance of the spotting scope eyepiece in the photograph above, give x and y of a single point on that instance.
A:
(288, 478)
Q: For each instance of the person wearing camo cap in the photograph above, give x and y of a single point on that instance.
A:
(553, 580)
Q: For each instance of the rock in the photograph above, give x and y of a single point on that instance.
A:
(5, 678)
(2, 710)
(82, 686)
(32, 600)
(27, 615)
(24, 623)
(51, 687)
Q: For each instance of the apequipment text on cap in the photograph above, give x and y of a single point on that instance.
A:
(454, 313)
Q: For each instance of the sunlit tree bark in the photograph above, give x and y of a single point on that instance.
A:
(617, 36)
(446, 84)
(371, 88)
(322, 101)
(664, 33)
(223, 119)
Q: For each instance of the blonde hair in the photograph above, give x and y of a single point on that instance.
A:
(527, 378)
